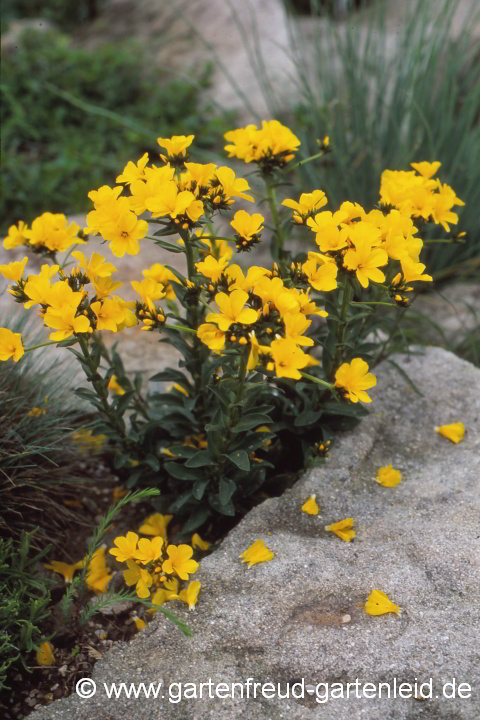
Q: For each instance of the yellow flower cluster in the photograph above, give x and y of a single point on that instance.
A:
(154, 567)
(49, 233)
(65, 306)
(97, 576)
(416, 193)
(273, 143)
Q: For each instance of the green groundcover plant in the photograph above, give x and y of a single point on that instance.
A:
(68, 125)
(275, 358)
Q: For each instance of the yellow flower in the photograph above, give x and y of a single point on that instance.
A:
(10, 345)
(231, 185)
(247, 225)
(36, 412)
(14, 270)
(155, 524)
(88, 443)
(295, 325)
(190, 594)
(197, 542)
(126, 547)
(149, 290)
(97, 575)
(53, 232)
(288, 358)
(426, 169)
(239, 281)
(110, 314)
(308, 203)
(388, 476)
(355, 379)
(162, 275)
(38, 287)
(176, 145)
(65, 569)
(366, 260)
(105, 286)
(149, 550)
(233, 310)
(310, 506)
(45, 654)
(198, 175)
(139, 623)
(454, 432)
(163, 595)
(133, 172)
(65, 323)
(16, 236)
(211, 267)
(211, 336)
(179, 561)
(257, 552)
(378, 603)
(135, 575)
(123, 233)
(323, 277)
(169, 201)
(113, 385)
(325, 226)
(343, 529)
(95, 267)
(413, 271)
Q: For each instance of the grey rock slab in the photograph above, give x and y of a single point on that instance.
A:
(301, 615)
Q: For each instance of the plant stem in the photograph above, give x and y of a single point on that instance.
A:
(317, 380)
(35, 347)
(342, 325)
(101, 390)
(277, 249)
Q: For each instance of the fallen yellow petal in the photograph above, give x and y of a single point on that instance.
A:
(454, 432)
(378, 603)
(310, 506)
(45, 654)
(343, 529)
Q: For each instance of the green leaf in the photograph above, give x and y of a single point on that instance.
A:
(153, 462)
(228, 509)
(171, 375)
(180, 472)
(201, 459)
(167, 245)
(240, 459)
(199, 488)
(251, 421)
(183, 451)
(181, 501)
(226, 489)
(196, 519)
(307, 417)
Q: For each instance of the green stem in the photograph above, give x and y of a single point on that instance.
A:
(342, 325)
(101, 391)
(373, 302)
(277, 252)
(35, 347)
(317, 380)
(307, 160)
(181, 327)
(68, 255)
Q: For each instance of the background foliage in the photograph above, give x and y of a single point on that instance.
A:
(70, 125)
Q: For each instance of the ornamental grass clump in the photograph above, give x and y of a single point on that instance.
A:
(275, 357)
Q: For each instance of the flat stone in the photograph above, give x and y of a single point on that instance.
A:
(285, 621)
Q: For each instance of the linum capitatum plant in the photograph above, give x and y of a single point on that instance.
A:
(274, 358)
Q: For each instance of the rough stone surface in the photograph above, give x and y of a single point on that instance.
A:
(301, 615)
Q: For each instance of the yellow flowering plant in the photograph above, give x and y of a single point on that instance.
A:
(280, 347)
